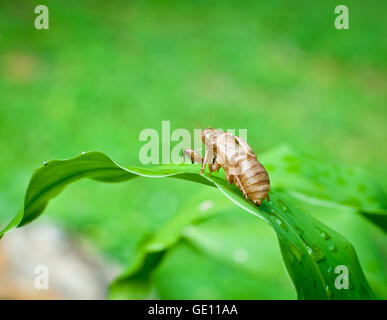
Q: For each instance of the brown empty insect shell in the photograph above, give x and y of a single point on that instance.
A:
(235, 156)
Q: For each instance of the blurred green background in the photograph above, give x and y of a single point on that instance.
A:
(106, 70)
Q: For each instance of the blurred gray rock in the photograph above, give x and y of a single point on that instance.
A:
(76, 270)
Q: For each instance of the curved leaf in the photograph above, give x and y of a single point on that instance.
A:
(328, 185)
(311, 251)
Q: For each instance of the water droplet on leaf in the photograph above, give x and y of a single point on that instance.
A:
(323, 234)
(296, 252)
(328, 292)
(315, 253)
(332, 247)
(281, 223)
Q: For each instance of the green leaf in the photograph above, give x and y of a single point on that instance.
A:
(135, 282)
(206, 247)
(50, 179)
(310, 250)
(327, 185)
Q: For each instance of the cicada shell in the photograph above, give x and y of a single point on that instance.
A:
(235, 156)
